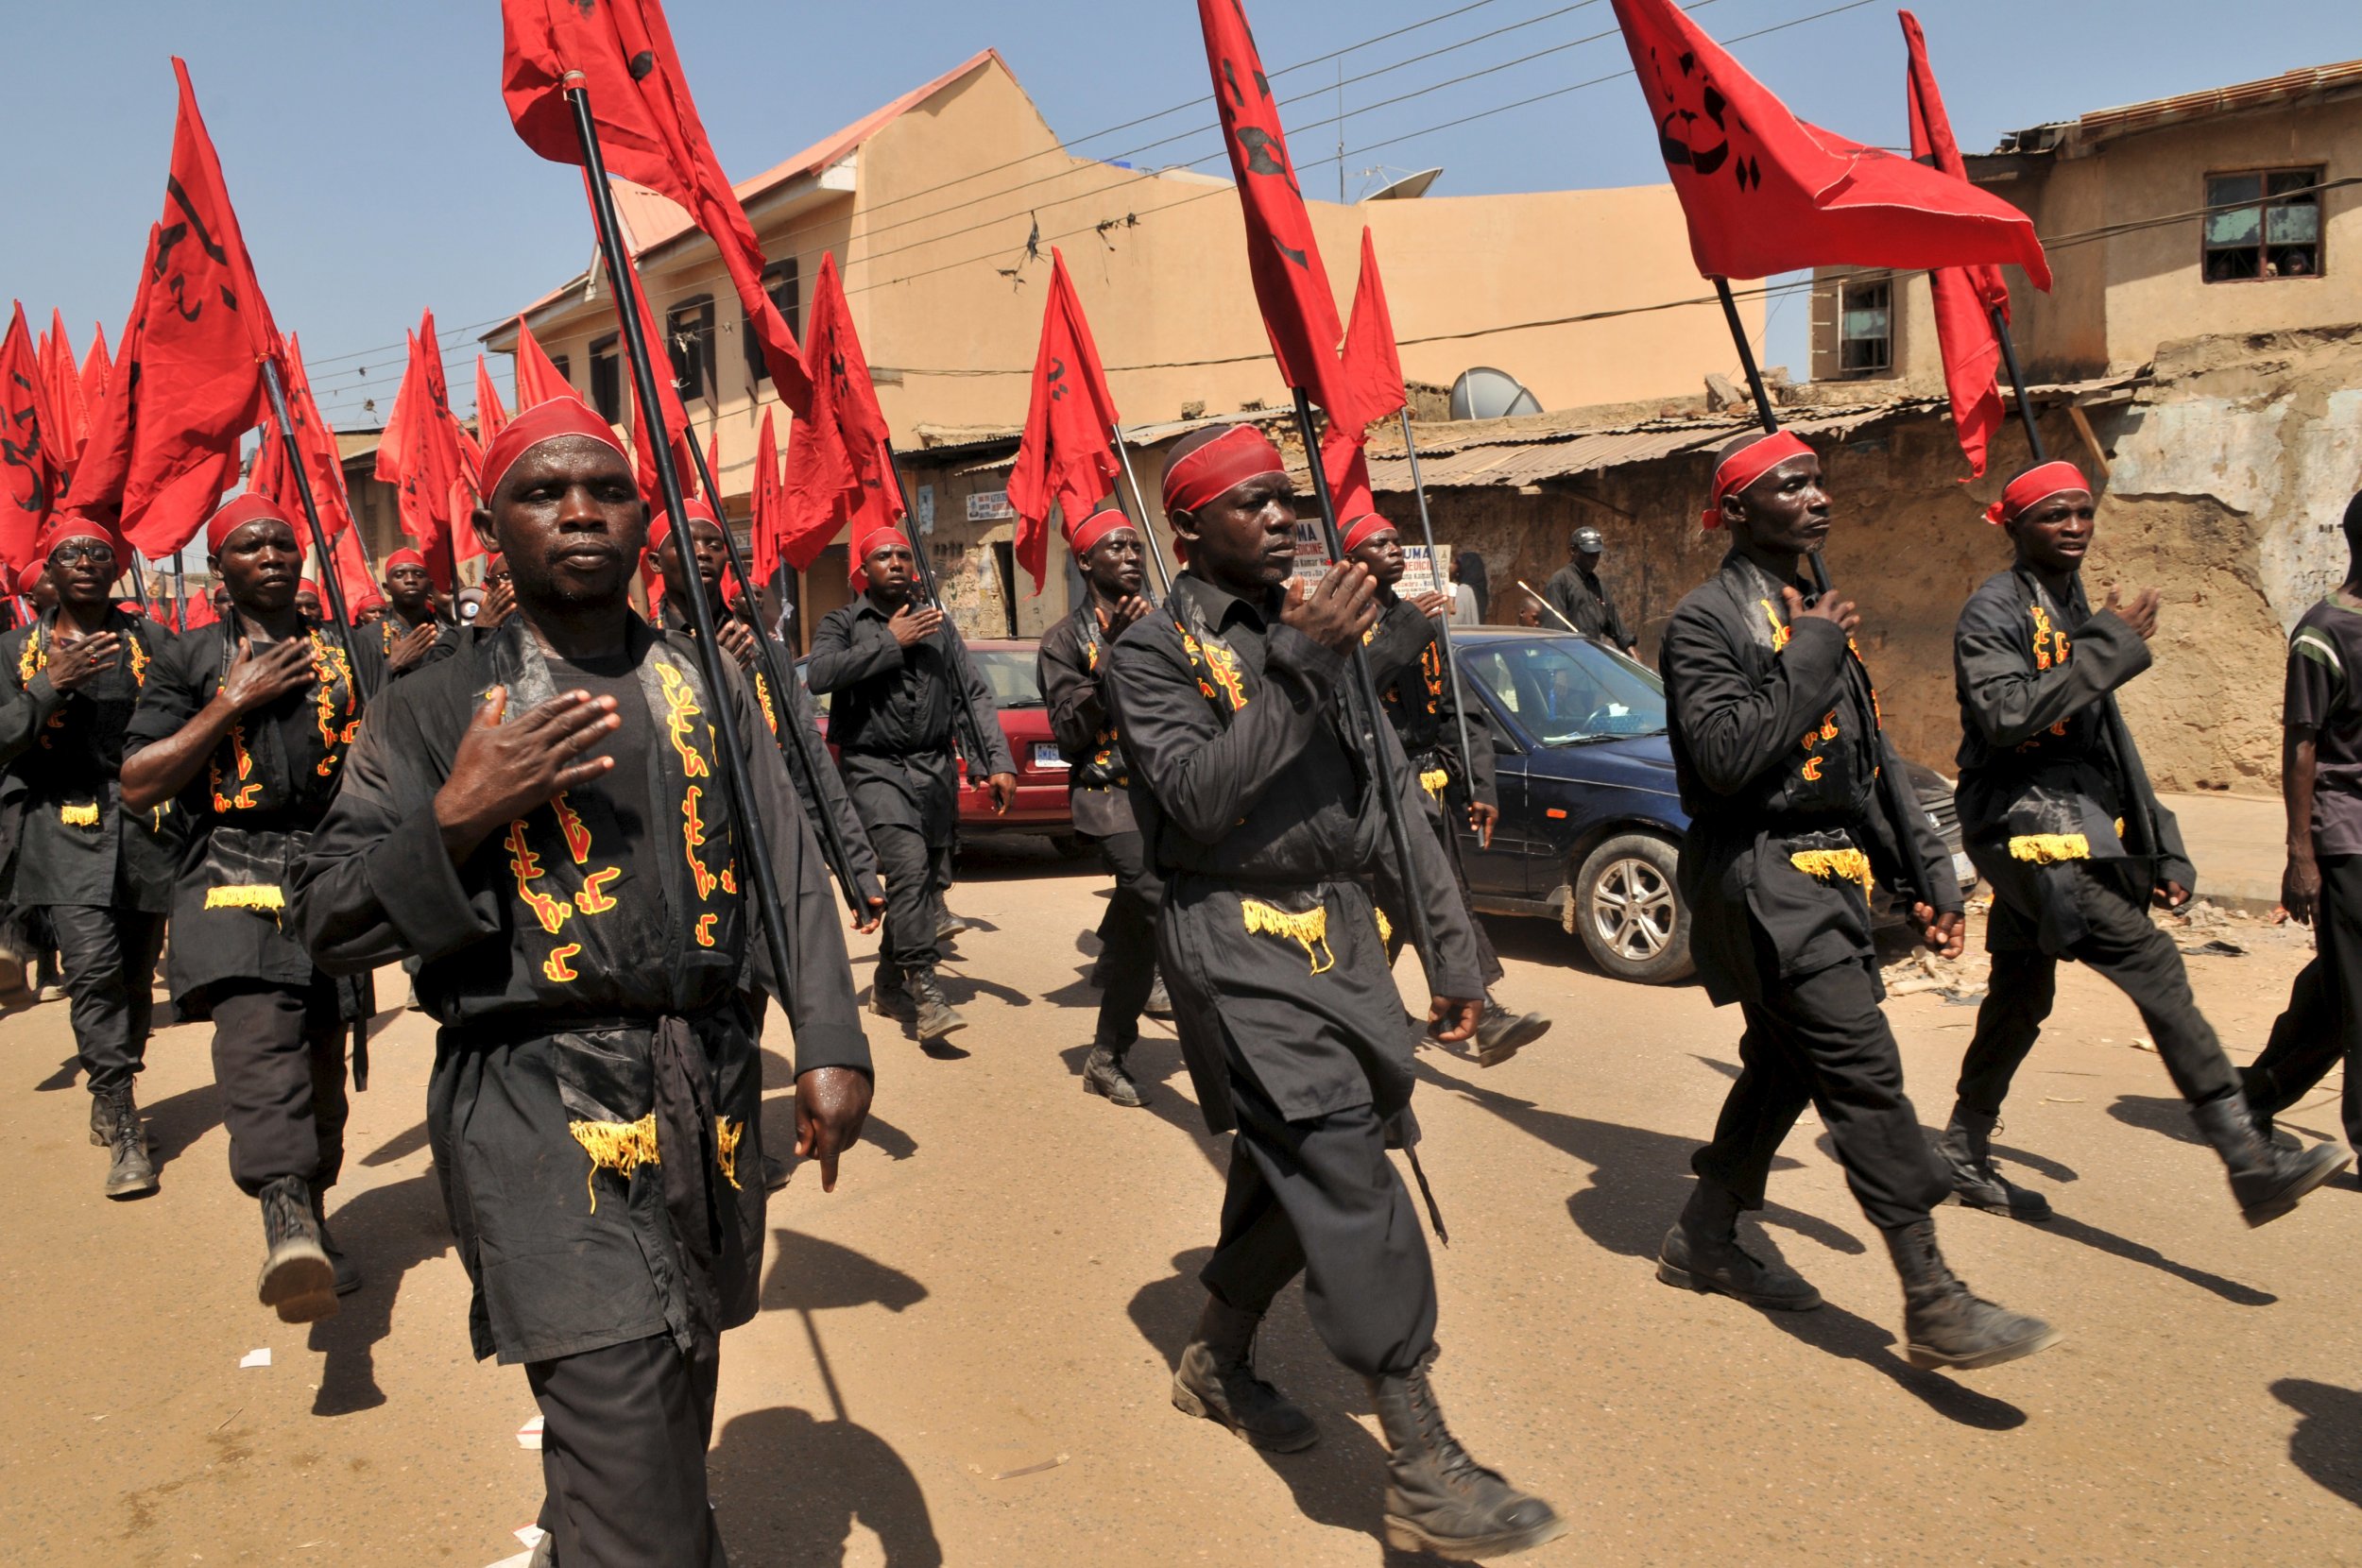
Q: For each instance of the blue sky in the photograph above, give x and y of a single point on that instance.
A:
(375, 171)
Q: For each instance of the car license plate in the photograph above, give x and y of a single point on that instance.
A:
(1046, 755)
(1963, 869)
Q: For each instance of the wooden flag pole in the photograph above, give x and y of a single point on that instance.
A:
(792, 735)
(963, 715)
(1147, 520)
(755, 847)
(1451, 662)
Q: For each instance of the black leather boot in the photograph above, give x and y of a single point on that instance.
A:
(1103, 1073)
(1501, 1034)
(347, 1273)
(1159, 1003)
(889, 997)
(1702, 1252)
(1440, 1500)
(102, 1120)
(1216, 1379)
(297, 1278)
(2265, 1180)
(1944, 1323)
(1965, 1152)
(935, 1015)
(129, 1171)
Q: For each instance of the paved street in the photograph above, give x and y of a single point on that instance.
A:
(963, 1352)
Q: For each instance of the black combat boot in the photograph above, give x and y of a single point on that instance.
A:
(1440, 1500)
(1944, 1323)
(1965, 1152)
(1702, 1252)
(889, 997)
(1159, 1003)
(948, 926)
(1501, 1034)
(1103, 1073)
(1216, 1379)
(298, 1278)
(2266, 1180)
(936, 1017)
(129, 1171)
(346, 1272)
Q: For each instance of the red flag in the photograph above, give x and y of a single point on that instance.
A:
(767, 504)
(28, 462)
(1291, 282)
(837, 471)
(489, 415)
(1764, 192)
(1372, 380)
(97, 365)
(677, 427)
(1067, 455)
(621, 54)
(538, 379)
(421, 452)
(63, 380)
(323, 465)
(353, 575)
(1965, 296)
(191, 387)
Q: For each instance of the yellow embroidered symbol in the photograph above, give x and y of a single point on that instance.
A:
(705, 929)
(762, 696)
(244, 799)
(570, 823)
(594, 898)
(726, 1136)
(692, 832)
(681, 714)
(140, 661)
(622, 1147)
(2051, 646)
(1781, 631)
(556, 966)
(1812, 768)
(551, 912)
(328, 666)
(729, 877)
(1308, 929)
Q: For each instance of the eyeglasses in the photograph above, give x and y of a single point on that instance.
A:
(76, 554)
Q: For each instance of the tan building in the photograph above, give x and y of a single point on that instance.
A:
(2227, 211)
(941, 209)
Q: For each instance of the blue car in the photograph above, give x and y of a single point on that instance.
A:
(1591, 820)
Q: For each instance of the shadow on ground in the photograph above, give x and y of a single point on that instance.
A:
(2327, 1442)
(388, 1231)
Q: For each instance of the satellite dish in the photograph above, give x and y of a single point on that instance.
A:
(1408, 188)
(1485, 393)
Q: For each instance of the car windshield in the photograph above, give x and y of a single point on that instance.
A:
(1010, 675)
(1568, 690)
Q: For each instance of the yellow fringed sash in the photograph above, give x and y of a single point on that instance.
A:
(1433, 781)
(1385, 927)
(622, 1147)
(1834, 865)
(257, 898)
(2050, 848)
(1309, 930)
(79, 816)
(726, 1136)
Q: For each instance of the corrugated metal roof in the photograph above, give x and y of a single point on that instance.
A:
(2221, 100)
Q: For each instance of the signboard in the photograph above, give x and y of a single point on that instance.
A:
(926, 508)
(1420, 574)
(989, 506)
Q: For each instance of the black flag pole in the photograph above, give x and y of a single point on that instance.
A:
(963, 715)
(1139, 508)
(1367, 714)
(791, 736)
(1443, 578)
(312, 517)
(619, 276)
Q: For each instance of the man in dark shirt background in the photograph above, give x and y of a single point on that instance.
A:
(1577, 593)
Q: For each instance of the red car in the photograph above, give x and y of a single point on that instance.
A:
(1007, 667)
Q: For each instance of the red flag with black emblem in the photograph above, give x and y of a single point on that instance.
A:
(1965, 296)
(1067, 456)
(1291, 282)
(539, 379)
(837, 471)
(29, 466)
(1765, 192)
(323, 465)
(621, 53)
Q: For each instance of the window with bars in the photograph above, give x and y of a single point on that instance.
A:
(1866, 328)
(688, 339)
(606, 380)
(2263, 223)
(782, 282)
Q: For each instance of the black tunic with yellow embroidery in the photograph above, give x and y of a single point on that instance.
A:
(64, 751)
(252, 807)
(2042, 784)
(595, 1102)
(1407, 662)
(1074, 653)
(1777, 748)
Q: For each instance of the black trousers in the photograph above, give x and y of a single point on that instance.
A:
(625, 1432)
(1820, 1039)
(109, 957)
(1321, 1197)
(279, 1061)
(2323, 1025)
(1127, 934)
(2122, 943)
(916, 875)
(1391, 899)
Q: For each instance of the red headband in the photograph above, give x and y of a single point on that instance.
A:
(549, 421)
(1083, 537)
(1238, 454)
(662, 529)
(1364, 528)
(29, 574)
(1749, 463)
(2035, 486)
(247, 509)
(72, 526)
(877, 538)
(404, 557)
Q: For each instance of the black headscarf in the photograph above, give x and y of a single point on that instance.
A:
(1472, 576)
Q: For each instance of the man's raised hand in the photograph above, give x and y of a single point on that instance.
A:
(77, 661)
(257, 678)
(913, 625)
(1337, 610)
(504, 770)
(413, 645)
(1829, 607)
(2138, 612)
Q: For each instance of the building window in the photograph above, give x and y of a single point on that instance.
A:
(1865, 328)
(606, 380)
(564, 365)
(781, 282)
(2268, 225)
(689, 337)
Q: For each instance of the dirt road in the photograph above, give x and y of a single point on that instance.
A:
(963, 1352)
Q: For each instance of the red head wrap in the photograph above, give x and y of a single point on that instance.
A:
(548, 422)
(696, 511)
(404, 557)
(1749, 463)
(305, 585)
(247, 509)
(1082, 537)
(69, 525)
(2034, 486)
(877, 538)
(1364, 528)
(30, 572)
(1237, 455)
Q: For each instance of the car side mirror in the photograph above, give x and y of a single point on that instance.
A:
(1505, 746)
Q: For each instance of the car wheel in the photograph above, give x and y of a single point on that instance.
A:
(1628, 910)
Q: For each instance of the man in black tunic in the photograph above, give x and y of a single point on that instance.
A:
(1406, 661)
(1255, 790)
(1778, 751)
(887, 663)
(244, 728)
(543, 818)
(2058, 813)
(410, 629)
(1577, 593)
(1072, 669)
(101, 875)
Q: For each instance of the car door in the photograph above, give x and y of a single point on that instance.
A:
(1504, 867)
